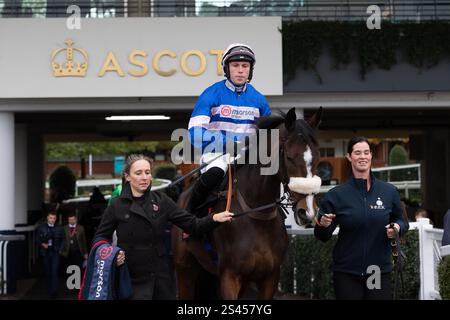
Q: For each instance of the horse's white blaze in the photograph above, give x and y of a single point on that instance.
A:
(307, 156)
(308, 185)
(310, 207)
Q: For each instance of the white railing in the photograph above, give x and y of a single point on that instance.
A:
(430, 252)
(401, 185)
(400, 167)
(93, 183)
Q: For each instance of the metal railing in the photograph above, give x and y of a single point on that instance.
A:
(403, 177)
(30, 237)
(337, 10)
(5, 265)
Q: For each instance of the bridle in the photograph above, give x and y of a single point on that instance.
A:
(286, 200)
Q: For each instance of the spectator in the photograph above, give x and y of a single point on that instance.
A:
(421, 213)
(75, 246)
(51, 240)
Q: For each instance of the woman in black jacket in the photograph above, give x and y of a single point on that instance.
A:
(140, 216)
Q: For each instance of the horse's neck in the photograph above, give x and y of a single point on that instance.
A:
(258, 189)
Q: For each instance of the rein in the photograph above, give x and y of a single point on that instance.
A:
(278, 203)
(399, 261)
(234, 192)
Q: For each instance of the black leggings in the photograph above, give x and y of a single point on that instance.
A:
(353, 287)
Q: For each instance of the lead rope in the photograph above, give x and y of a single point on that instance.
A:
(399, 257)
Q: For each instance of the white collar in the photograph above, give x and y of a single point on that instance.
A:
(230, 85)
(72, 225)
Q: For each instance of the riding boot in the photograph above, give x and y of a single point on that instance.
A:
(207, 182)
(197, 197)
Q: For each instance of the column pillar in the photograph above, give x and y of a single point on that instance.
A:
(21, 176)
(7, 183)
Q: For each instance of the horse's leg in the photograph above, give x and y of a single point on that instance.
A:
(268, 286)
(230, 285)
(186, 279)
(185, 266)
(244, 287)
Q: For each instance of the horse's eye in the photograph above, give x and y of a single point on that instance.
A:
(290, 159)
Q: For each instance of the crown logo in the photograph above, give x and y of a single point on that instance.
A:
(69, 68)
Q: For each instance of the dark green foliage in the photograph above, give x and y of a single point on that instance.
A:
(422, 45)
(62, 184)
(313, 261)
(411, 271)
(164, 171)
(444, 278)
(398, 156)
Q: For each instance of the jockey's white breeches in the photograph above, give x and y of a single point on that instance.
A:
(220, 162)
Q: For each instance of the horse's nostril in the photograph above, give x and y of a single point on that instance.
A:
(302, 212)
(300, 216)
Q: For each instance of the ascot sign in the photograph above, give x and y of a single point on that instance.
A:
(132, 57)
(75, 62)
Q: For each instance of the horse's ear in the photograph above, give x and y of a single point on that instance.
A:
(315, 120)
(289, 122)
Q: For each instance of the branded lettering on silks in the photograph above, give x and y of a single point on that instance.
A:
(221, 113)
(104, 259)
(103, 279)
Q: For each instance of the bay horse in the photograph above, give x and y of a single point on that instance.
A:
(251, 248)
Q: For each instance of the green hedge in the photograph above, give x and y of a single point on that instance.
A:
(165, 171)
(444, 278)
(313, 261)
(421, 45)
(62, 184)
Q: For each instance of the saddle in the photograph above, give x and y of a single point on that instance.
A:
(205, 208)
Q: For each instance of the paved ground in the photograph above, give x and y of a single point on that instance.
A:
(34, 288)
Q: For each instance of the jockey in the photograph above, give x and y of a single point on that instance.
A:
(225, 111)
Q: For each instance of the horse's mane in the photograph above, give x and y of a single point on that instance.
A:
(278, 117)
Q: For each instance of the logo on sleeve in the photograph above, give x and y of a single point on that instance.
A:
(378, 205)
